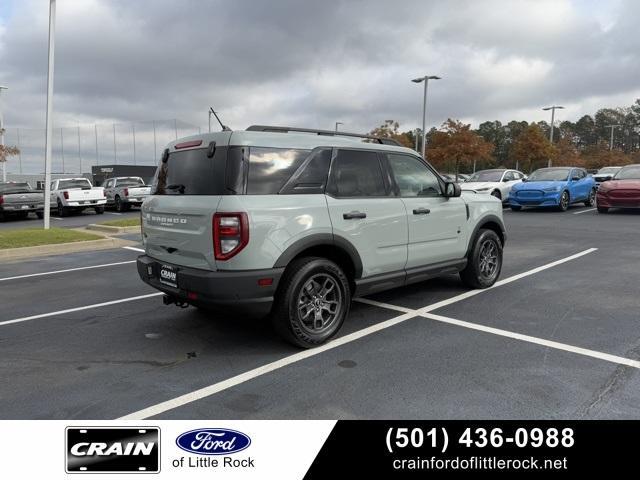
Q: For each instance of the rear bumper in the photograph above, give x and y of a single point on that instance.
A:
(237, 290)
(85, 203)
(8, 208)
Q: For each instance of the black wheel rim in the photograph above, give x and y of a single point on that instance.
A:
(319, 303)
(592, 197)
(564, 201)
(488, 259)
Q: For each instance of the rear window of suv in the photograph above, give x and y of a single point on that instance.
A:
(191, 172)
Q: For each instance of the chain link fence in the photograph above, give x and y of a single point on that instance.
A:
(75, 149)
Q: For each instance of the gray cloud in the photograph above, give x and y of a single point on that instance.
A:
(311, 63)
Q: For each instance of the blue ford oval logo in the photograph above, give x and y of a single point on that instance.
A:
(213, 441)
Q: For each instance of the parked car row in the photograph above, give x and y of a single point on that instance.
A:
(72, 195)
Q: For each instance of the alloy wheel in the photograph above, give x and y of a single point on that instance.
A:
(320, 303)
(488, 259)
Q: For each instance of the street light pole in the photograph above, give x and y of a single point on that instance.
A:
(49, 134)
(338, 123)
(424, 79)
(553, 112)
(612, 127)
(4, 164)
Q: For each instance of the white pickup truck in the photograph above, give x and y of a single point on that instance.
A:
(75, 194)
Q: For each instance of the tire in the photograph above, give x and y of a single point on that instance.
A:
(40, 215)
(290, 322)
(603, 209)
(563, 204)
(118, 204)
(592, 198)
(516, 208)
(478, 273)
(497, 194)
(62, 211)
(99, 210)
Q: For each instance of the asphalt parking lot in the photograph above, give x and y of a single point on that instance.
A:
(557, 337)
(73, 221)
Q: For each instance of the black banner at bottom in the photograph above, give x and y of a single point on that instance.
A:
(399, 449)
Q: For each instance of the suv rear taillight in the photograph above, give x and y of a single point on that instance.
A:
(1, 199)
(126, 192)
(230, 234)
(65, 194)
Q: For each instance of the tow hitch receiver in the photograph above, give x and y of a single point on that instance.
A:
(169, 300)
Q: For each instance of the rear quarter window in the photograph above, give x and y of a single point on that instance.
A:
(270, 168)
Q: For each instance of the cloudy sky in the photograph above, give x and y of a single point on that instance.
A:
(312, 63)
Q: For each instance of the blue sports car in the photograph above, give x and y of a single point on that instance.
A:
(556, 187)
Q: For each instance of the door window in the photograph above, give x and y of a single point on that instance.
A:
(414, 178)
(509, 177)
(356, 173)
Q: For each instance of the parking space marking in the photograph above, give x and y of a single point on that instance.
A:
(585, 211)
(539, 341)
(112, 213)
(134, 249)
(296, 357)
(259, 371)
(66, 270)
(78, 309)
(513, 278)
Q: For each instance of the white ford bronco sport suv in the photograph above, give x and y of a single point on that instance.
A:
(294, 223)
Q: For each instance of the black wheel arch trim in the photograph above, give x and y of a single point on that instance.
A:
(318, 240)
(484, 221)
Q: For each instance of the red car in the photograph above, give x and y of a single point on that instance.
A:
(621, 191)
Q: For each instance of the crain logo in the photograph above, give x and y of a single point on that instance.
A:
(163, 220)
(213, 441)
(104, 449)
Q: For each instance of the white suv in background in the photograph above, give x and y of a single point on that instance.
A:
(496, 182)
(294, 223)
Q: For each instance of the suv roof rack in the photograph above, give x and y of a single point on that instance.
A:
(330, 133)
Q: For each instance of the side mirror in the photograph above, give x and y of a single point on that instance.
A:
(524, 179)
(575, 179)
(607, 178)
(452, 189)
(506, 180)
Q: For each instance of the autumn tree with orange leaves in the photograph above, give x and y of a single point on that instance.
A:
(532, 150)
(456, 146)
(6, 151)
(389, 129)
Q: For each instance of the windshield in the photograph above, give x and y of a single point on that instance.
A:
(608, 170)
(549, 175)
(486, 176)
(632, 172)
(15, 188)
(130, 182)
(80, 183)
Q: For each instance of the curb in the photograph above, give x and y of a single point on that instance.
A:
(61, 248)
(113, 230)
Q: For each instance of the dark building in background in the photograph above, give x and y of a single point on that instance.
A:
(101, 172)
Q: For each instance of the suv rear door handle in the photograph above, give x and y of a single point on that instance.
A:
(354, 214)
(421, 211)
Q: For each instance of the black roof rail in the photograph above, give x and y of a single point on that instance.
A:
(329, 133)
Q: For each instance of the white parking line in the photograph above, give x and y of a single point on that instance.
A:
(56, 218)
(585, 211)
(66, 270)
(112, 213)
(296, 357)
(134, 249)
(538, 341)
(78, 309)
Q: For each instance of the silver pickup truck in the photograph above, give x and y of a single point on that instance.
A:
(124, 192)
(19, 199)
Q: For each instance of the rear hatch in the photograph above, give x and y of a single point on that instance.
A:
(177, 216)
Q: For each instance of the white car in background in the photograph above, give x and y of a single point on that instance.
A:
(496, 182)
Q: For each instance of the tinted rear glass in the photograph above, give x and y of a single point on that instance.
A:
(14, 187)
(62, 184)
(130, 182)
(191, 172)
(270, 168)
